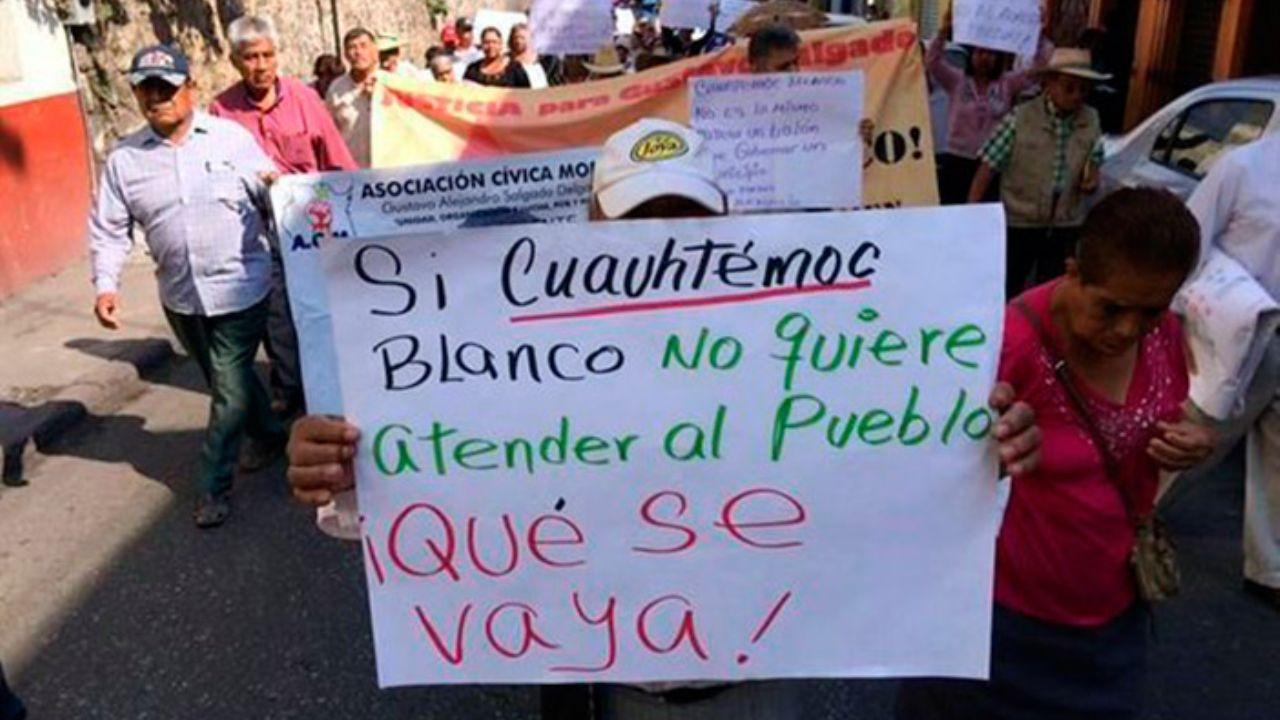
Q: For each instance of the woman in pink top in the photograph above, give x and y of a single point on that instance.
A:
(1068, 637)
(977, 98)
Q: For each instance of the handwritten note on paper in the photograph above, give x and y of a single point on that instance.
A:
(562, 480)
(787, 141)
(1008, 25)
(697, 13)
(571, 27)
(1228, 319)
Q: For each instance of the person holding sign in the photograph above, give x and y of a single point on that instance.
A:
(1047, 152)
(1239, 214)
(978, 97)
(496, 69)
(1099, 357)
(653, 169)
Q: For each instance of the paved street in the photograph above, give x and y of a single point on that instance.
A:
(113, 606)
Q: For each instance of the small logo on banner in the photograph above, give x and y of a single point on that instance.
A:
(320, 211)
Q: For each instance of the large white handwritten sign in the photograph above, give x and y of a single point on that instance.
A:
(661, 450)
(1009, 25)
(571, 27)
(309, 209)
(786, 141)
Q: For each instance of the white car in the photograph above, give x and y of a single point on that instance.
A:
(1176, 146)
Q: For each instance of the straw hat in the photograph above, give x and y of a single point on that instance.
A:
(1073, 61)
(605, 62)
(387, 41)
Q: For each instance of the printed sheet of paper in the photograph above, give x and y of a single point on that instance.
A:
(571, 27)
(1224, 311)
(787, 141)
(312, 209)
(1008, 25)
(729, 448)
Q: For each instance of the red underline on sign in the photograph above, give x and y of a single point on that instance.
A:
(659, 305)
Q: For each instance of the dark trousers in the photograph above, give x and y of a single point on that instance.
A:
(1036, 255)
(224, 348)
(1043, 671)
(955, 176)
(282, 343)
(10, 706)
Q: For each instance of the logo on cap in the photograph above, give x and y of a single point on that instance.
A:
(154, 59)
(657, 146)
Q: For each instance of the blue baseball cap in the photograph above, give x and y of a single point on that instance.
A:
(159, 61)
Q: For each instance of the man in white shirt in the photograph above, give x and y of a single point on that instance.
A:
(350, 97)
(1238, 207)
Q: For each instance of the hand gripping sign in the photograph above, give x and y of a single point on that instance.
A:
(730, 448)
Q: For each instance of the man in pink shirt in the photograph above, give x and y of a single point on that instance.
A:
(290, 123)
(293, 126)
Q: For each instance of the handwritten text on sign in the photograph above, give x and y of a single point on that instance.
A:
(312, 209)
(571, 27)
(662, 450)
(783, 141)
(1008, 25)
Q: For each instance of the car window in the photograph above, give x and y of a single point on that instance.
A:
(1191, 142)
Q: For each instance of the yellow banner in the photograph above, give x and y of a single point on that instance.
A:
(416, 122)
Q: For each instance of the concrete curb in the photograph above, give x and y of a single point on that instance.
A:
(24, 431)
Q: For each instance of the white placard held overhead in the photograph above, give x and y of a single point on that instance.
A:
(312, 210)
(660, 450)
(1011, 26)
(500, 19)
(571, 27)
(697, 13)
(786, 141)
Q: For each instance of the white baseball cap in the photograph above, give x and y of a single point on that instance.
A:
(653, 158)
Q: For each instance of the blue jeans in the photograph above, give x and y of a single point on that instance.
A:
(224, 347)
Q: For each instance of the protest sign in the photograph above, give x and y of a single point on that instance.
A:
(500, 19)
(419, 122)
(1011, 26)
(624, 21)
(728, 448)
(787, 141)
(697, 13)
(311, 210)
(1229, 320)
(571, 27)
